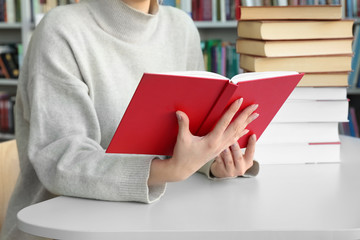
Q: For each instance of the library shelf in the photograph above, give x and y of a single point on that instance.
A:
(8, 82)
(6, 136)
(215, 24)
(353, 91)
(10, 25)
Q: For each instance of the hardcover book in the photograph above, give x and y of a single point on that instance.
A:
(294, 30)
(149, 125)
(293, 12)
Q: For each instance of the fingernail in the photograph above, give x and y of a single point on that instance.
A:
(255, 106)
(253, 137)
(246, 131)
(240, 101)
(178, 116)
(256, 115)
(234, 145)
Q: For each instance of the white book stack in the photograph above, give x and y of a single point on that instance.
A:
(305, 130)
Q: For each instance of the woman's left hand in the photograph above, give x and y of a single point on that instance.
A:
(232, 162)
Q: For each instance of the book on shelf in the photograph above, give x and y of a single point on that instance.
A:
(351, 128)
(206, 10)
(298, 12)
(203, 96)
(9, 61)
(10, 11)
(285, 48)
(7, 102)
(352, 8)
(9, 66)
(291, 30)
(202, 10)
(355, 64)
(353, 121)
(220, 57)
(307, 64)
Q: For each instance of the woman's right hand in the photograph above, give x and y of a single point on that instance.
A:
(192, 152)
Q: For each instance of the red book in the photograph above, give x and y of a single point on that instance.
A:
(149, 125)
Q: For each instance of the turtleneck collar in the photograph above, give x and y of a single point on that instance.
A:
(123, 21)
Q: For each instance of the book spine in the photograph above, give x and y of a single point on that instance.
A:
(349, 11)
(207, 10)
(10, 11)
(196, 10)
(222, 10)
(356, 59)
(10, 65)
(214, 10)
(355, 8)
(169, 3)
(238, 9)
(217, 109)
(354, 121)
(2, 10)
(186, 6)
(4, 69)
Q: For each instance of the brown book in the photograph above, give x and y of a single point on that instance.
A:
(293, 30)
(328, 79)
(286, 48)
(324, 79)
(307, 64)
(320, 12)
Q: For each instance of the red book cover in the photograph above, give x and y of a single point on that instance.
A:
(149, 125)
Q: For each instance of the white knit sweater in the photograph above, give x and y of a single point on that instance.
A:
(82, 67)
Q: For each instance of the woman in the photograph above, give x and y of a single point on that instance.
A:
(82, 67)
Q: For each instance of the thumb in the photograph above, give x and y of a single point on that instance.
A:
(183, 122)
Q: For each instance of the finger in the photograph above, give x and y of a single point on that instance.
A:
(236, 152)
(246, 113)
(228, 159)
(183, 122)
(218, 167)
(227, 117)
(244, 132)
(251, 118)
(250, 149)
(237, 126)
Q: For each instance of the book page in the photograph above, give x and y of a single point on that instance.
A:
(203, 74)
(260, 75)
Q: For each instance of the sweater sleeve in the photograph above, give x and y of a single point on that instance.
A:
(60, 126)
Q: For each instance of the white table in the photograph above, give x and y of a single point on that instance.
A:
(312, 201)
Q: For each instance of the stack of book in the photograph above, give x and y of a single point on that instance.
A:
(313, 40)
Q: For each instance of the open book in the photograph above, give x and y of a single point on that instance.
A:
(149, 125)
